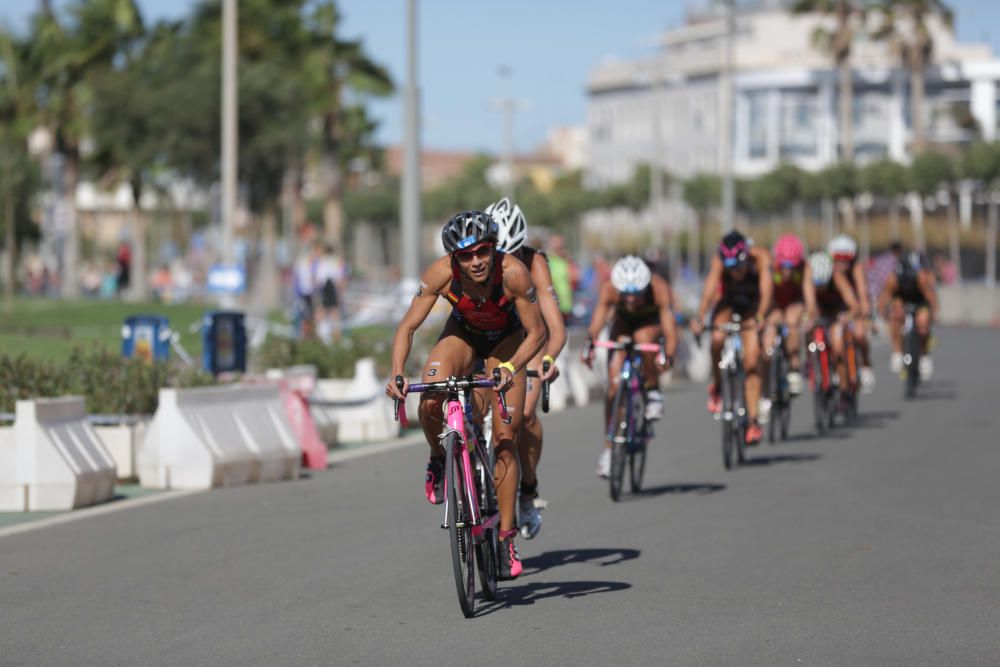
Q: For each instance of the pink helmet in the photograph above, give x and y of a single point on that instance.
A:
(788, 251)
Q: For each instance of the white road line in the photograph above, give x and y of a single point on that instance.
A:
(100, 510)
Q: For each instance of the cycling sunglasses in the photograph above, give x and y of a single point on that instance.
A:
(787, 265)
(481, 251)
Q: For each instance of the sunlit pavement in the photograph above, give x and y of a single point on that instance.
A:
(876, 545)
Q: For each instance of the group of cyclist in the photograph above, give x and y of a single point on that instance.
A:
(505, 317)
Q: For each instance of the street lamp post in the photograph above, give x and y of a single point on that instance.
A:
(229, 137)
(410, 232)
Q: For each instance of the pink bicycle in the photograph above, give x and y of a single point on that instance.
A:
(471, 515)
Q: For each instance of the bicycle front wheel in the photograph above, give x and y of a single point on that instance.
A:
(487, 554)
(737, 383)
(619, 440)
(460, 526)
(637, 442)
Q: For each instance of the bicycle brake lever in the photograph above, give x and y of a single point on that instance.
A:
(500, 395)
(395, 401)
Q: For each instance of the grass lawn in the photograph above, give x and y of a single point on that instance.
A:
(51, 328)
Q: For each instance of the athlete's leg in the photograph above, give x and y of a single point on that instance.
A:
(649, 333)
(529, 442)
(752, 367)
(616, 359)
(793, 335)
(505, 471)
(897, 314)
(922, 322)
(721, 315)
(451, 355)
(769, 337)
(837, 359)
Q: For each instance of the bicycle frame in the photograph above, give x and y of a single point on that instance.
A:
(630, 374)
(461, 420)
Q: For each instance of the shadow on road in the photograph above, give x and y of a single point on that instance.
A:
(761, 461)
(812, 436)
(529, 593)
(600, 557)
(698, 489)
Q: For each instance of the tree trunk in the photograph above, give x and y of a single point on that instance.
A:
(954, 246)
(140, 265)
(916, 206)
(694, 246)
(70, 278)
(846, 110)
(866, 238)
(267, 284)
(917, 104)
(333, 211)
(893, 218)
(991, 242)
(10, 246)
(799, 216)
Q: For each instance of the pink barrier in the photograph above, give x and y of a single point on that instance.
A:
(295, 391)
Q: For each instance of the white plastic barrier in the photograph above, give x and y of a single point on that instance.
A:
(367, 418)
(218, 436)
(51, 459)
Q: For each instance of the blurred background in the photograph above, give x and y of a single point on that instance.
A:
(140, 163)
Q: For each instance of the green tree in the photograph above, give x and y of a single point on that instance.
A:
(931, 175)
(837, 43)
(886, 179)
(904, 25)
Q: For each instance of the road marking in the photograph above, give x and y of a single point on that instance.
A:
(100, 510)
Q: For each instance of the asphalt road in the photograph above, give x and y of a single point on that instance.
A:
(878, 545)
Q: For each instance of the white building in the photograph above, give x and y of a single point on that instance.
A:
(785, 98)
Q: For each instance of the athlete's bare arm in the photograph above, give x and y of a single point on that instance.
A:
(606, 299)
(766, 281)
(548, 303)
(928, 287)
(517, 283)
(663, 297)
(846, 292)
(434, 281)
(861, 282)
(710, 292)
(890, 287)
(809, 292)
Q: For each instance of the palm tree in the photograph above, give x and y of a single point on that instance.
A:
(904, 24)
(64, 54)
(342, 73)
(836, 42)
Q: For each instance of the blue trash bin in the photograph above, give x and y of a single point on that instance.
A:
(224, 342)
(146, 337)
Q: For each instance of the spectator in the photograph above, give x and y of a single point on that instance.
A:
(564, 274)
(330, 281)
(161, 284)
(124, 260)
(305, 289)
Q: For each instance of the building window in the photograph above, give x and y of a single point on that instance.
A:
(757, 110)
(798, 125)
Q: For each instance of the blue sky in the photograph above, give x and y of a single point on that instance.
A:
(549, 45)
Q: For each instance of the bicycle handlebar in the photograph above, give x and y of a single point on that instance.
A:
(455, 384)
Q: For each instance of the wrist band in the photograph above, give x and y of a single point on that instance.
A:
(548, 358)
(509, 366)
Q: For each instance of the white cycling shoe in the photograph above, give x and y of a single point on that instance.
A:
(926, 367)
(867, 380)
(794, 383)
(896, 363)
(654, 405)
(604, 464)
(530, 519)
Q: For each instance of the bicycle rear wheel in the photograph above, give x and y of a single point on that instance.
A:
(460, 527)
(637, 442)
(487, 556)
(619, 417)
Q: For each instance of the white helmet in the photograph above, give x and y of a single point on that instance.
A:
(630, 275)
(822, 268)
(513, 226)
(843, 248)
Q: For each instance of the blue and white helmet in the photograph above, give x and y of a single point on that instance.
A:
(630, 275)
(513, 228)
(467, 229)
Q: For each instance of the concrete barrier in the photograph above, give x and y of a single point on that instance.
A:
(969, 305)
(219, 436)
(123, 443)
(51, 459)
(297, 384)
(356, 408)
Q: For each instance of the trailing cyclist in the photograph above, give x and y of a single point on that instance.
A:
(494, 320)
(911, 284)
(844, 252)
(512, 233)
(638, 303)
(835, 303)
(794, 300)
(739, 282)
